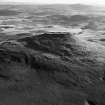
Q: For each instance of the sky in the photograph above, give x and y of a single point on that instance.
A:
(92, 2)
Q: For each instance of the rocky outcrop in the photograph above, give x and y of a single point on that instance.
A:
(52, 68)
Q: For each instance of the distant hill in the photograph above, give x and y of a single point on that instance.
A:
(79, 18)
(80, 6)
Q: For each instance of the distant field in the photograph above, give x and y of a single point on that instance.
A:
(8, 12)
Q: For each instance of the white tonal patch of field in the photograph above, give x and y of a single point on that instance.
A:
(13, 29)
(16, 32)
(8, 30)
(58, 28)
(13, 19)
(25, 27)
(2, 26)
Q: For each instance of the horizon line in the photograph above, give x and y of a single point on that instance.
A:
(32, 3)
